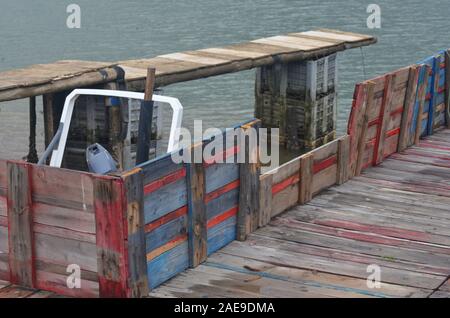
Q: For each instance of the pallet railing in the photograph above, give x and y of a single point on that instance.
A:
(131, 232)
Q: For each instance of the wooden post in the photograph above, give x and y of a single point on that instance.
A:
(247, 219)
(49, 127)
(432, 109)
(111, 237)
(408, 108)
(197, 218)
(363, 123)
(137, 260)
(20, 224)
(306, 178)
(145, 119)
(447, 88)
(265, 199)
(32, 153)
(422, 99)
(343, 160)
(385, 116)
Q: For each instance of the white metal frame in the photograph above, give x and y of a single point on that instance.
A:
(69, 104)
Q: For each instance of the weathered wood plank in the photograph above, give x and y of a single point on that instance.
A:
(385, 112)
(20, 225)
(343, 160)
(408, 108)
(422, 95)
(111, 237)
(306, 178)
(137, 261)
(247, 220)
(265, 197)
(362, 128)
(447, 87)
(197, 228)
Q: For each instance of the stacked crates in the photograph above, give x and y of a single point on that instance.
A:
(92, 121)
(299, 98)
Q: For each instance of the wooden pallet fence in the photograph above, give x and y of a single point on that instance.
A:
(433, 112)
(191, 209)
(53, 219)
(376, 117)
(298, 180)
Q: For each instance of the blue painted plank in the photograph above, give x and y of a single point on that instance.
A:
(222, 204)
(165, 233)
(219, 175)
(167, 265)
(158, 168)
(221, 235)
(165, 200)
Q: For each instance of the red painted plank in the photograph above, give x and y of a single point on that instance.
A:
(111, 237)
(398, 110)
(166, 218)
(276, 188)
(222, 217)
(374, 122)
(222, 156)
(392, 132)
(322, 165)
(219, 192)
(166, 180)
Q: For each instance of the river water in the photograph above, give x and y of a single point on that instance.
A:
(34, 31)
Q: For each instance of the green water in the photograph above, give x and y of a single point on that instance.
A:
(35, 31)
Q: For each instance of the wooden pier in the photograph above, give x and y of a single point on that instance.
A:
(395, 215)
(378, 195)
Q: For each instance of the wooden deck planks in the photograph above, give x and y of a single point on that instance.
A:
(394, 215)
(177, 67)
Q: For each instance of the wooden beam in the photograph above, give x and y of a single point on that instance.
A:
(265, 199)
(432, 109)
(343, 157)
(306, 178)
(20, 223)
(422, 99)
(110, 237)
(363, 124)
(137, 258)
(247, 220)
(197, 218)
(61, 84)
(32, 153)
(447, 88)
(385, 116)
(408, 108)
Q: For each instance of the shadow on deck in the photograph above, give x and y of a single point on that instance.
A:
(395, 216)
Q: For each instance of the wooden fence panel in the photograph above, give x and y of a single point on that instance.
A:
(165, 218)
(4, 245)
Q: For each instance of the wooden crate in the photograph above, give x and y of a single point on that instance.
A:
(300, 99)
